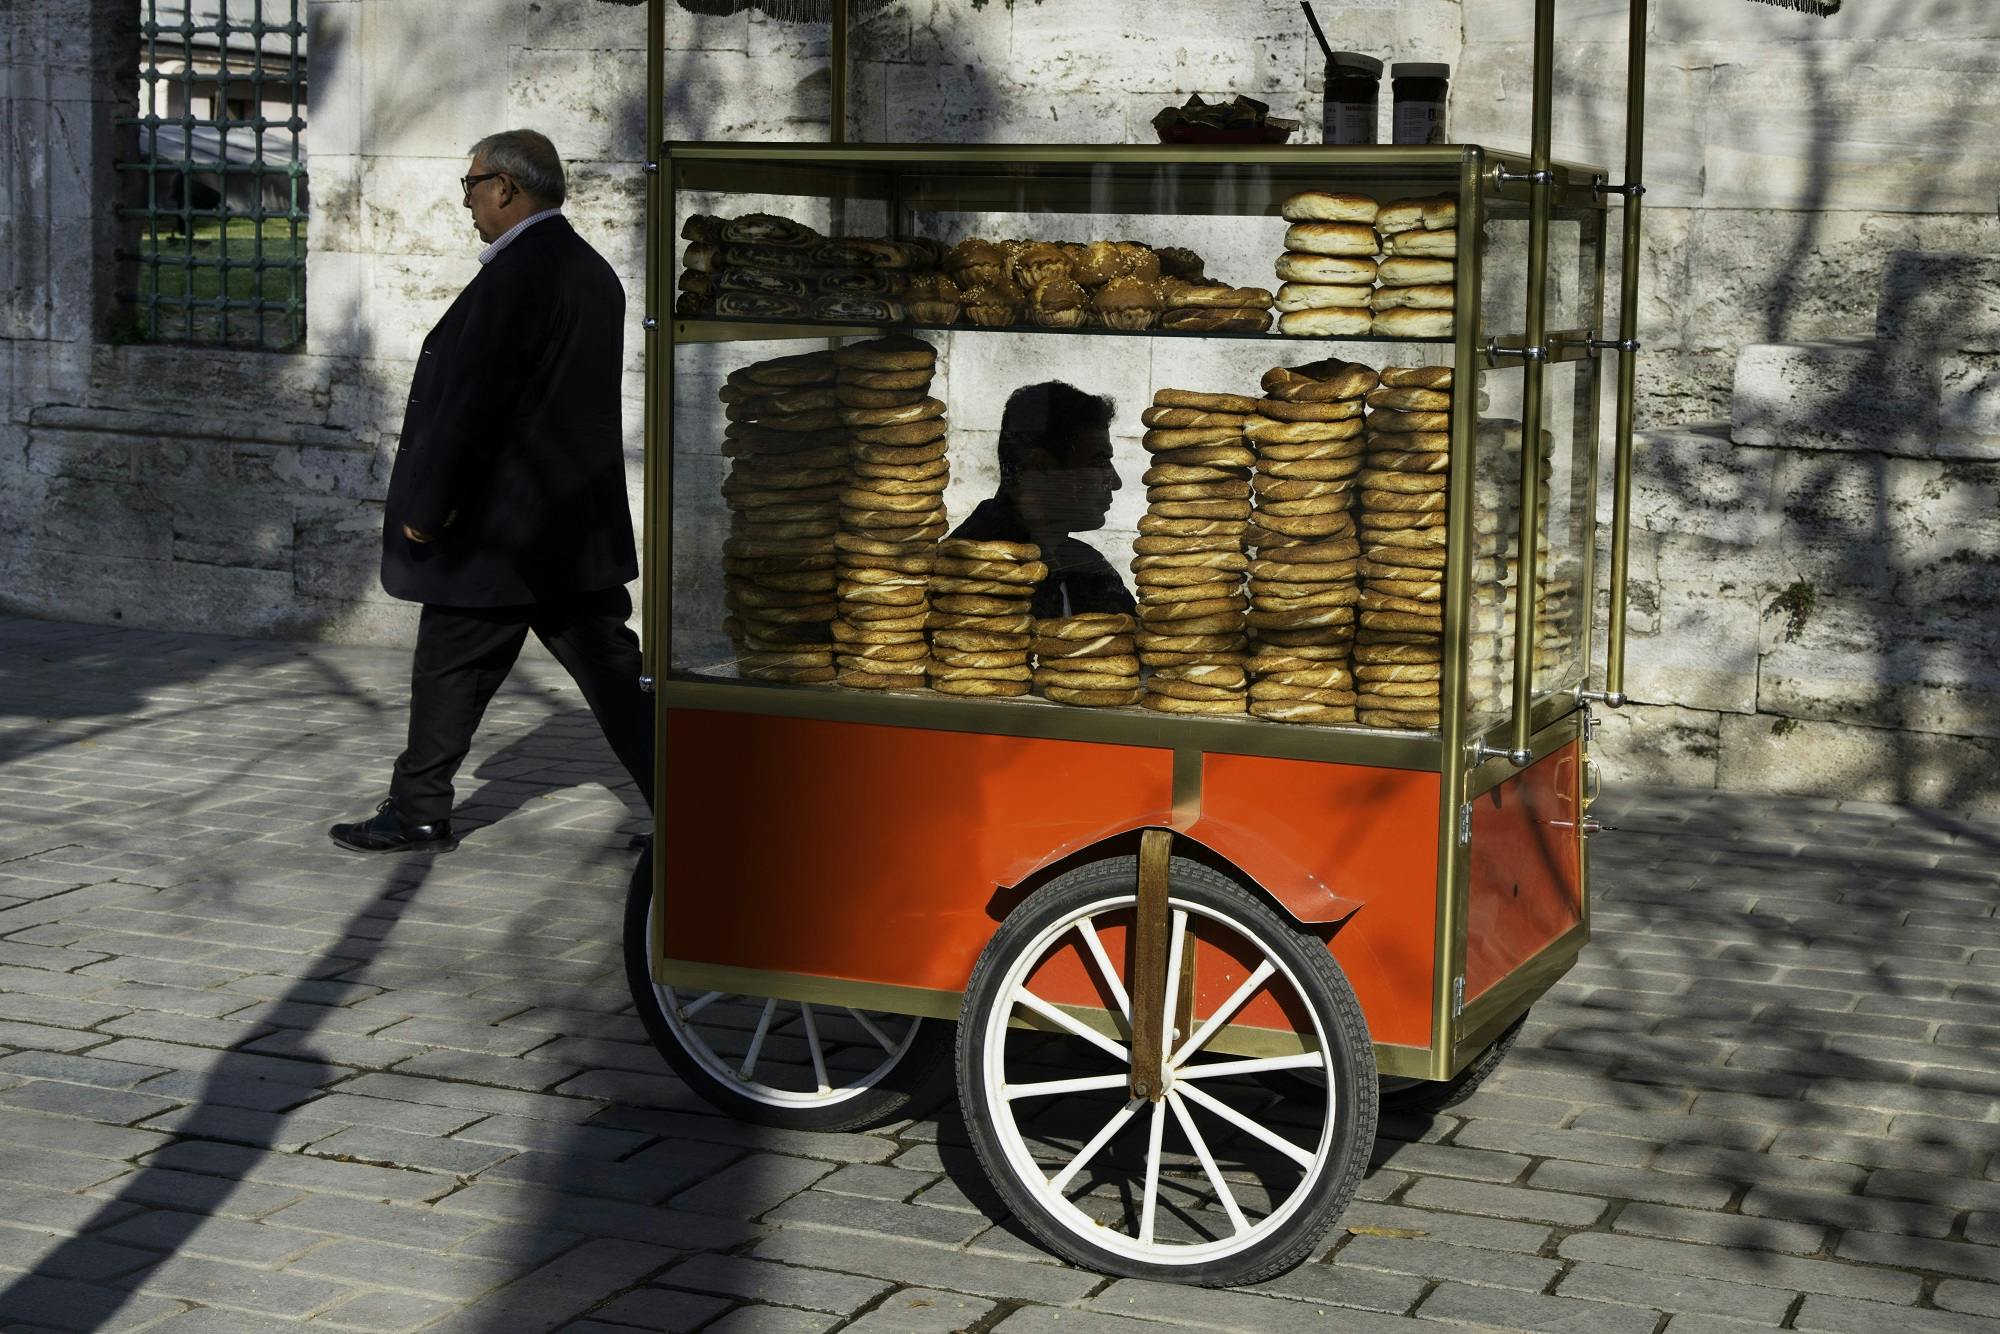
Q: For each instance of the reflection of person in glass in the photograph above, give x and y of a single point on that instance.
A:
(1056, 478)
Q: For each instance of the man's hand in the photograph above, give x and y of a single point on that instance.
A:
(414, 535)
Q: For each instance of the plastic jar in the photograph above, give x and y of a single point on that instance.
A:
(1421, 90)
(1353, 96)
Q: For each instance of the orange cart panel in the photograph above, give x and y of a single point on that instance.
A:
(1311, 832)
(870, 853)
(1526, 874)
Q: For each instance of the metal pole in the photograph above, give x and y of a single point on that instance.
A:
(1527, 574)
(837, 54)
(1628, 348)
(656, 267)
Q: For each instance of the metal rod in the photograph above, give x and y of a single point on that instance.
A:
(1628, 335)
(1448, 936)
(656, 266)
(1148, 981)
(837, 56)
(1527, 573)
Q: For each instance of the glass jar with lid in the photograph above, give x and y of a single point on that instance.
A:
(1421, 89)
(1353, 98)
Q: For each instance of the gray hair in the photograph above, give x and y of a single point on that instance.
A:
(529, 158)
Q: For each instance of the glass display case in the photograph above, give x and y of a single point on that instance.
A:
(1301, 513)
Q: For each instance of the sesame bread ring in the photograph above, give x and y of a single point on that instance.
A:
(1270, 451)
(1196, 608)
(1317, 694)
(1189, 437)
(1152, 597)
(1215, 675)
(1441, 244)
(1324, 296)
(751, 440)
(1388, 422)
(1224, 625)
(1158, 544)
(1326, 206)
(1417, 377)
(1419, 296)
(1064, 652)
(1377, 571)
(857, 519)
(866, 680)
(978, 687)
(1267, 430)
(1414, 271)
(1390, 541)
(1310, 551)
(869, 574)
(790, 423)
(1181, 474)
(1412, 483)
(1337, 410)
(852, 396)
(759, 401)
(1112, 674)
(743, 525)
(1233, 455)
(1173, 689)
(1332, 595)
(1213, 319)
(951, 583)
(1161, 526)
(1398, 460)
(882, 595)
(1323, 381)
(902, 434)
(1306, 525)
(911, 652)
(1231, 559)
(762, 565)
(1001, 571)
(1354, 270)
(1402, 694)
(1419, 590)
(1188, 398)
(1282, 658)
(1182, 418)
(1373, 600)
(1410, 398)
(1400, 215)
(888, 488)
(916, 379)
(1201, 509)
(979, 641)
(930, 469)
(1331, 238)
(1019, 671)
(1231, 489)
(1019, 623)
(1301, 571)
(1213, 296)
(1413, 323)
(1334, 322)
(1271, 488)
(1302, 712)
(901, 456)
(1401, 620)
(895, 353)
(1324, 677)
(1411, 442)
(1091, 699)
(805, 368)
(1168, 704)
(1301, 618)
(964, 548)
(918, 502)
(1415, 657)
(946, 657)
(922, 410)
(1313, 470)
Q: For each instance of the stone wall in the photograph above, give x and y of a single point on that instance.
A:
(1788, 158)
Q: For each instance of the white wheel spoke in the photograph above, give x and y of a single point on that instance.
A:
(1069, 1024)
(757, 1038)
(1050, 1087)
(1229, 1206)
(819, 1056)
(1223, 1014)
(1096, 946)
(1149, 1202)
(873, 1032)
(1083, 1156)
(1172, 998)
(1305, 1060)
(1248, 1127)
(702, 1003)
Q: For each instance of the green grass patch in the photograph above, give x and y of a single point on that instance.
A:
(221, 257)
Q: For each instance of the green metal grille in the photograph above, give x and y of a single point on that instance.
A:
(215, 168)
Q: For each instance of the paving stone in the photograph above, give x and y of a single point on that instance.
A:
(227, 1090)
(1457, 1229)
(1750, 1233)
(1464, 1264)
(772, 1320)
(285, 1132)
(873, 1182)
(1463, 1304)
(238, 1162)
(454, 1278)
(1050, 1320)
(1954, 1294)
(1840, 1315)
(642, 1183)
(1543, 1142)
(472, 1097)
(917, 1264)
(596, 1216)
(1623, 1183)
(1210, 1308)
(911, 1222)
(1983, 1228)
(416, 1225)
(781, 1285)
(242, 1288)
(660, 1309)
(923, 1311)
(393, 1148)
(64, 1304)
(1446, 1160)
(384, 1313)
(563, 1288)
(1778, 1271)
(1850, 1211)
(1678, 1293)
(1867, 1151)
(55, 1171)
(1945, 1257)
(413, 1118)
(195, 1192)
(1955, 1192)
(575, 1141)
(94, 1070)
(1542, 1206)
(86, 1259)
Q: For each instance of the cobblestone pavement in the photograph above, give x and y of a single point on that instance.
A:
(248, 1081)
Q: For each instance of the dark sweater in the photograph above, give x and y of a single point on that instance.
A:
(1080, 579)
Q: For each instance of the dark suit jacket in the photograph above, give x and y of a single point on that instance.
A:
(513, 451)
(1079, 580)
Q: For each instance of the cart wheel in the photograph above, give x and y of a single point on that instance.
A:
(1219, 1182)
(1420, 1096)
(782, 1062)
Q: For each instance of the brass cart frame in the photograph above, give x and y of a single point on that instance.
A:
(1469, 761)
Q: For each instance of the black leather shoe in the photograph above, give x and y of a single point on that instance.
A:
(386, 832)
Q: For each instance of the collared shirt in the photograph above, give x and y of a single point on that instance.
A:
(506, 238)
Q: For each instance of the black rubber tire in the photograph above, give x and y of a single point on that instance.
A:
(918, 1082)
(1416, 1097)
(1331, 997)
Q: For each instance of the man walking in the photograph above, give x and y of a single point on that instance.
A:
(507, 509)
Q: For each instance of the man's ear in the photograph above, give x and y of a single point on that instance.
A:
(1039, 459)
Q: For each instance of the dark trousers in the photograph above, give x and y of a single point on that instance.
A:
(464, 653)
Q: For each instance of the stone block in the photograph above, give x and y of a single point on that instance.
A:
(1886, 665)
(1861, 763)
(337, 549)
(1697, 483)
(102, 518)
(242, 527)
(1942, 300)
(731, 95)
(1088, 48)
(591, 103)
(426, 116)
(1968, 406)
(1849, 395)
(1656, 743)
(412, 205)
(103, 458)
(1867, 143)
(339, 82)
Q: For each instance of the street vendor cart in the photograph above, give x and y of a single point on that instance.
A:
(1174, 955)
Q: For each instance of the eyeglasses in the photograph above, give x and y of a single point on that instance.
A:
(466, 183)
